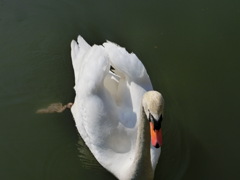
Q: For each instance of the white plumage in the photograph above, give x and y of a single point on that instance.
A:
(107, 106)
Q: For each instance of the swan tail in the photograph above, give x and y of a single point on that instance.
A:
(93, 72)
(78, 50)
(82, 43)
(126, 63)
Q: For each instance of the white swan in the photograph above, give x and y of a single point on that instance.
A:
(113, 108)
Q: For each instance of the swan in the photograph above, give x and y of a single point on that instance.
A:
(115, 109)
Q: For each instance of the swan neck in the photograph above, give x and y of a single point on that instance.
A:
(142, 162)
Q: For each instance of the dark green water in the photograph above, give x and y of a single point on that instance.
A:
(190, 49)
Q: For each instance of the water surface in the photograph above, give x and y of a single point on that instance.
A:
(190, 50)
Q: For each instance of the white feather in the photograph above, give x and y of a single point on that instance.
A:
(107, 104)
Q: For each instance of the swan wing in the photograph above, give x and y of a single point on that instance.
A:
(135, 83)
(127, 63)
(96, 114)
(134, 80)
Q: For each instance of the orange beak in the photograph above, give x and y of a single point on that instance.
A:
(156, 136)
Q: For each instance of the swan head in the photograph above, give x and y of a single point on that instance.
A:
(153, 105)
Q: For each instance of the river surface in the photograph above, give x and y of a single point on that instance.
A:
(189, 48)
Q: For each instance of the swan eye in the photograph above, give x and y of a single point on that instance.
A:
(157, 124)
(151, 118)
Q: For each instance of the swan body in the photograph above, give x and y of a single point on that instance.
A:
(112, 108)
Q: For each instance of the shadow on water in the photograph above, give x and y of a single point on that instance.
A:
(88, 161)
